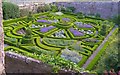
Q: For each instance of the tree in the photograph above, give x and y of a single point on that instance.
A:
(27, 39)
(109, 60)
(24, 12)
(103, 30)
(29, 17)
(1, 42)
(116, 19)
(10, 10)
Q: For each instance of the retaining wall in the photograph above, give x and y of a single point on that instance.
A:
(105, 9)
(15, 63)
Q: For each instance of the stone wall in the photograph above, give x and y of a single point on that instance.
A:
(15, 63)
(105, 9)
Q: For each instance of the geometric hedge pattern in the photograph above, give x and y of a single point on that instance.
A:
(56, 34)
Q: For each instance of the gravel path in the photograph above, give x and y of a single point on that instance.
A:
(98, 49)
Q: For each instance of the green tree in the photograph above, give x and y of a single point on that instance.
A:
(10, 10)
(109, 60)
(29, 17)
(27, 39)
(103, 30)
(71, 8)
(116, 20)
(43, 8)
(80, 15)
(54, 8)
(24, 12)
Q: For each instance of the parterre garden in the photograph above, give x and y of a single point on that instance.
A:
(61, 40)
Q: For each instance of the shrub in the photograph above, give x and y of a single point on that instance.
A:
(54, 8)
(116, 19)
(28, 37)
(80, 15)
(29, 17)
(62, 8)
(103, 30)
(71, 8)
(10, 10)
(40, 9)
(24, 12)
(44, 8)
(97, 15)
(47, 7)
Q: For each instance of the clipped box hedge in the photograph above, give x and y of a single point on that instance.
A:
(9, 34)
(38, 43)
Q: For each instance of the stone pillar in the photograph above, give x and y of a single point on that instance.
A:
(2, 70)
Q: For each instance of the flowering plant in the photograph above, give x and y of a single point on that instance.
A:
(66, 19)
(43, 21)
(80, 24)
(76, 32)
(46, 29)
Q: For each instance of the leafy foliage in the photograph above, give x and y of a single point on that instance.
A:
(54, 8)
(80, 15)
(110, 59)
(45, 43)
(27, 39)
(10, 10)
(103, 30)
(116, 19)
(30, 17)
(24, 12)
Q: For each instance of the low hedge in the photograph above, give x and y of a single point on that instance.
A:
(23, 52)
(81, 52)
(25, 41)
(40, 34)
(84, 58)
(51, 31)
(9, 34)
(87, 54)
(5, 22)
(38, 43)
(90, 21)
(16, 29)
(70, 34)
(59, 38)
(62, 26)
(66, 33)
(85, 28)
(37, 50)
(95, 18)
(87, 47)
(9, 42)
(40, 14)
(53, 45)
(45, 34)
(93, 48)
(94, 61)
(81, 37)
